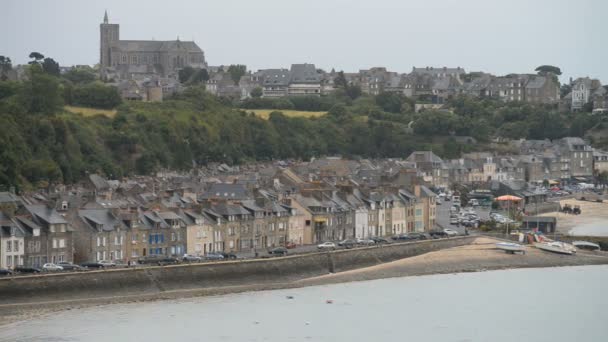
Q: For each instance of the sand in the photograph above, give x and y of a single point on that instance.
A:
(593, 214)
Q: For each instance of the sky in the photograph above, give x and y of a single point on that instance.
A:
(501, 37)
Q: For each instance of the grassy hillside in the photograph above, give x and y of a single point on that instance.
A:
(86, 111)
(265, 113)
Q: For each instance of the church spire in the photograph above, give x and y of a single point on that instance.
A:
(105, 17)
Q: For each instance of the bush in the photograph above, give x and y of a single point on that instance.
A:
(96, 95)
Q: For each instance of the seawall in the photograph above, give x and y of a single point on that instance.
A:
(105, 286)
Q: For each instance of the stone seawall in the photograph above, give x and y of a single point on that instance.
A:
(220, 277)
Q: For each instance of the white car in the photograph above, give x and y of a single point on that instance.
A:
(107, 263)
(450, 232)
(327, 245)
(51, 267)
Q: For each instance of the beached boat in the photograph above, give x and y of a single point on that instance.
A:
(586, 245)
(511, 247)
(556, 247)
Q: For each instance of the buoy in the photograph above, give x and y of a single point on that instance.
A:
(329, 301)
(289, 297)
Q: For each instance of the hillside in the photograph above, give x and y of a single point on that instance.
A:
(43, 141)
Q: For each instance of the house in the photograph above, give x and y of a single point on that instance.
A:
(600, 162)
(434, 170)
(48, 236)
(582, 89)
(99, 235)
(199, 232)
(275, 82)
(12, 243)
(304, 80)
(542, 89)
(579, 154)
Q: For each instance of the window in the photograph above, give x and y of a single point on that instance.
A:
(61, 243)
(116, 239)
(133, 254)
(172, 236)
(134, 238)
(124, 59)
(52, 227)
(98, 241)
(62, 228)
(133, 59)
(16, 246)
(54, 243)
(8, 246)
(103, 241)
(9, 260)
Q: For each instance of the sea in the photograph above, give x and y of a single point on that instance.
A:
(544, 304)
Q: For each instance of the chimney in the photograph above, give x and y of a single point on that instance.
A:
(417, 190)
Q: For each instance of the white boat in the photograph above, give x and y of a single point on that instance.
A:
(511, 247)
(586, 245)
(556, 247)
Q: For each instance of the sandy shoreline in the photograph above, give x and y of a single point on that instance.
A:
(592, 213)
(481, 255)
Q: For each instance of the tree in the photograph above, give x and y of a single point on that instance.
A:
(340, 80)
(96, 95)
(389, 102)
(41, 92)
(545, 69)
(185, 73)
(50, 66)
(257, 92)
(236, 71)
(80, 75)
(565, 89)
(5, 66)
(199, 76)
(353, 91)
(37, 57)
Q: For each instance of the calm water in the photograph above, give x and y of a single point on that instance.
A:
(559, 304)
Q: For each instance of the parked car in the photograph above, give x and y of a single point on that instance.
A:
(92, 264)
(438, 234)
(348, 243)
(228, 256)
(50, 267)
(215, 256)
(5, 272)
(380, 240)
(417, 236)
(454, 220)
(366, 242)
(27, 269)
(326, 245)
(282, 251)
(107, 263)
(192, 258)
(450, 232)
(290, 245)
(159, 260)
(67, 266)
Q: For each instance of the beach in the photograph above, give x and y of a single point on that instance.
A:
(592, 222)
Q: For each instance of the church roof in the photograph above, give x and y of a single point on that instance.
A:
(156, 45)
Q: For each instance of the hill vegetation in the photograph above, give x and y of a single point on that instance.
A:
(44, 142)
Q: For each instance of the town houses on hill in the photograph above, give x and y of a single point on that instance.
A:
(252, 208)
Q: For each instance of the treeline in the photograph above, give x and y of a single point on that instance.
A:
(43, 144)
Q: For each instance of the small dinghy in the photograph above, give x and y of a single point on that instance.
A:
(510, 247)
(556, 247)
(590, 246)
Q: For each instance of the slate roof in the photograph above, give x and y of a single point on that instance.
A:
(7, 197)
(304, 73)
(103, 217)
(226, 191)
(156, 46)
(46, 214)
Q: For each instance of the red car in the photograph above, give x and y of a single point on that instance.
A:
(290, 245)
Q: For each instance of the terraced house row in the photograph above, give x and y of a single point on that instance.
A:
(109, 222)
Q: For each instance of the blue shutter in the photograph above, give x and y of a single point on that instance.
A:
(162, 238)
(150, 238)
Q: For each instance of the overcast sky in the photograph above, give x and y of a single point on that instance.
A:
(480, 35)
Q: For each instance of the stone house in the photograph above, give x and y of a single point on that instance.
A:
(304, 80)
(600, 162)
(199, 232)
(428, 200)
(48, 235)
(99, 235)
(12, 243)
(582, 89)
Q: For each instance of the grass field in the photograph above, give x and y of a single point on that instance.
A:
(265, 113)
(86, 111)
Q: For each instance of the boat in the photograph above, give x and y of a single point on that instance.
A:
(556, 247)
(586, 245)
(511, 247)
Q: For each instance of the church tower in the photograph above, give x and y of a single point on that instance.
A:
(109, 35)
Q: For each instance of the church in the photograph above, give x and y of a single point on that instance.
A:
(139, 59)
